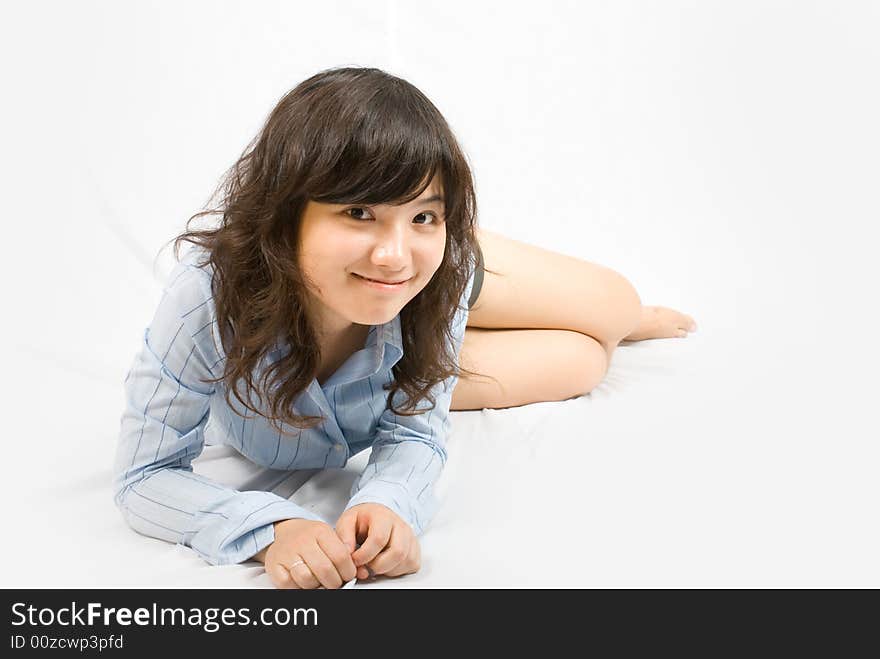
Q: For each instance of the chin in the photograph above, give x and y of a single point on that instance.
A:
(381, 319)
(378, 318)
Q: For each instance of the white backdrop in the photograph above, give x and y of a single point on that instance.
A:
(723, 156)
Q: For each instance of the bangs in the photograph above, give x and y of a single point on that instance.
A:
(382, 150)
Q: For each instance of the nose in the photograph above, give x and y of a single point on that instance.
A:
(391, 251)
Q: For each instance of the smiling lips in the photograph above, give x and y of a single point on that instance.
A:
(382, 281)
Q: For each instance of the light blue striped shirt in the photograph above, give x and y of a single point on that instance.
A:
(167, 408)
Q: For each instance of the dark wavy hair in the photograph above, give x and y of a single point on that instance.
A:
(344, 135)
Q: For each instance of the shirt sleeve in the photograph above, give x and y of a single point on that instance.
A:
(162, 431)
(409, 453)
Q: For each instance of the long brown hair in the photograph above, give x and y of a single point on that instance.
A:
(344, 135)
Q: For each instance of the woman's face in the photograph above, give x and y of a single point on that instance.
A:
(388, 243)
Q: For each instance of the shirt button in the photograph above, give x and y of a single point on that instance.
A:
(338, 447)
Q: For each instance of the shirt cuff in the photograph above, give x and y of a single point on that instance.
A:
(248, 527)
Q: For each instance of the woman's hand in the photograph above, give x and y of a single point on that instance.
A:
(307, 554)
(387, 543)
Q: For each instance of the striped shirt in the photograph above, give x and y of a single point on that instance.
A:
(162, 430)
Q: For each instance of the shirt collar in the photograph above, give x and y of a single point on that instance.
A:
(392, 336)
(383, 348)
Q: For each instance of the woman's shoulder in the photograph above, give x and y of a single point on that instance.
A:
(191, 271)
(197, 259)
(189, 284)
(189, 298)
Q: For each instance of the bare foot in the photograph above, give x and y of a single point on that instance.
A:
(661, 323)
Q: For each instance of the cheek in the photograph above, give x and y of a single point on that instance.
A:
(310, 263)
(322, 258)
(321, 272)
(435, 259)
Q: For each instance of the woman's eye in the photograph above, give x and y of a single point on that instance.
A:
(436, 219)
(361, 210)
(356, 209)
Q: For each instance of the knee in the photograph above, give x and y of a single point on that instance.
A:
(631, 309)
(589, 362)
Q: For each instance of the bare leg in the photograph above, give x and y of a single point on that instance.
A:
(530, 366)
(528, 287)
(546, 325)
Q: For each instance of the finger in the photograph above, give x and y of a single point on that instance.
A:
(345, 529)
(280, 577)
(377, 538)
(394, 553)
(322, 567)
(301, 574)
(338, 554)
(410, 564)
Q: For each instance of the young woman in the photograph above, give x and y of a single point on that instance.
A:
(348, 292)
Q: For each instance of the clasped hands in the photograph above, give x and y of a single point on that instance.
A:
(308, 554)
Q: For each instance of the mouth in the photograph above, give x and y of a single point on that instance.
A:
(382, 281)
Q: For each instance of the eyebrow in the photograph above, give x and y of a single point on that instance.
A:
(430, 200)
